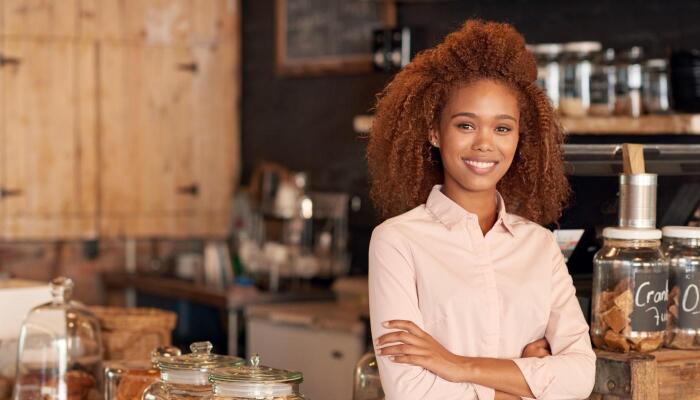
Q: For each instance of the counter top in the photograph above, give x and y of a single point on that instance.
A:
(234, 297)
(334, 315)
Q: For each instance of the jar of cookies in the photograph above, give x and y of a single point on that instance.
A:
(681, 245)
(126, 380)
(630, 291)
(255, 381)
(187, 376)
(575, 77)
(60, 350)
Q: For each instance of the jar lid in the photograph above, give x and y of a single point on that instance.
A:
(200, 357)
(547, 48)
(656, 63)
(254, 373)
(682, 232)
(631, 233)
(582, 47)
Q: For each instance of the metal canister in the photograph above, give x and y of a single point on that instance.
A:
(638, 201)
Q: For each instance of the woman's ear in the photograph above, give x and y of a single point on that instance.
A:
(433, 137)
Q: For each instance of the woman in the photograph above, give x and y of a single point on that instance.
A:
(468, 300)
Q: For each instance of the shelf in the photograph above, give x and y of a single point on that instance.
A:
(674, 124)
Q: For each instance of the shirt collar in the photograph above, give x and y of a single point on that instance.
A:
(450, 213)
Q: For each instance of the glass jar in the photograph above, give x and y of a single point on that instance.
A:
(187, 376)
(367, 385)
(628, 89)
(126, 380)
(630, 291)
(681, 245)
(603, 84)
(255, 381)
(547, 56)
(60, 350)
(656, 86)
(575, 77)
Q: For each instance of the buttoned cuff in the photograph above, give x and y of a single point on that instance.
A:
(537, 374)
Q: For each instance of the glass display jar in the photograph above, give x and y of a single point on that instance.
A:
(187, 376)
(547, 56)
(603, 84)
(126, 380)
(367, 385)
(575, 78)
(630, 291)
(656, 86)
(681, 245)
(628, 87)
(255, 381)
(60, 350)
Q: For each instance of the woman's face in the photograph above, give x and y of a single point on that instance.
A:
(478, 134)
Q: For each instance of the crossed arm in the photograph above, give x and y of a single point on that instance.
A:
(411, 345)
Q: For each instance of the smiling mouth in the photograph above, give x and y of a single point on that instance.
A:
(482, 165)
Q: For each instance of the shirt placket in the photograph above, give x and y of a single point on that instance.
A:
(482, 251)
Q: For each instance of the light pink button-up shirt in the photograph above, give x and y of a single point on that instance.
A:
(479, 296)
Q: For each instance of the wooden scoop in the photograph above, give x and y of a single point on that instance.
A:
(633, 158)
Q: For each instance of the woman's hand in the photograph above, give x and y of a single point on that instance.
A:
(538, 348)
(411, 345)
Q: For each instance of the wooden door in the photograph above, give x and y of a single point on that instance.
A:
(214, 122)
(144, 166)
(49, 142)
(168, 140)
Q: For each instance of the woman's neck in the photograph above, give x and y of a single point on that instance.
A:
(483, 203)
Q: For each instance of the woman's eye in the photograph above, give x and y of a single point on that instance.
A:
(465, 125)
(503, 129)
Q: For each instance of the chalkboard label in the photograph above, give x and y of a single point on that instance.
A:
(650, 301)
(689, 301)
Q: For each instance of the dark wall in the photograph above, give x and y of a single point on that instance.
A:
(306, 123)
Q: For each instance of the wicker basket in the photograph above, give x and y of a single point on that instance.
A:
(133, 333)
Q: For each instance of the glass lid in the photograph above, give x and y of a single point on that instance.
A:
(200, 358)
(254, 373)
(60, 349)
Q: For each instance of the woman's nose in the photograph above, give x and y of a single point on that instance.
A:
(483, 141)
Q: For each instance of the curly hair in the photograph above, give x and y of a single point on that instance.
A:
(403, 166)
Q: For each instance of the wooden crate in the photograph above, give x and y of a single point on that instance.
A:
(663, 374)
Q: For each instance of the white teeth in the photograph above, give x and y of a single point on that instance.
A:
(480, 164)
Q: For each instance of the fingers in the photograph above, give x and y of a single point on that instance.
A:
(403, 349)
(420, 361)
(400, 337)
(538, 348)
(407, 326)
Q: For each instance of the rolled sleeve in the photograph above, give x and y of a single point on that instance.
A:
(393, 295)
(569, 373)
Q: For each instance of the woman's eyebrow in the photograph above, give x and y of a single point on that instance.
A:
(464, 114)
(505, 116)
(472, 115)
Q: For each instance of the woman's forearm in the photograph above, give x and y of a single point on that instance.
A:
(499, 374)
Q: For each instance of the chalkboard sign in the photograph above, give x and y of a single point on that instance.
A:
(321, 36)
